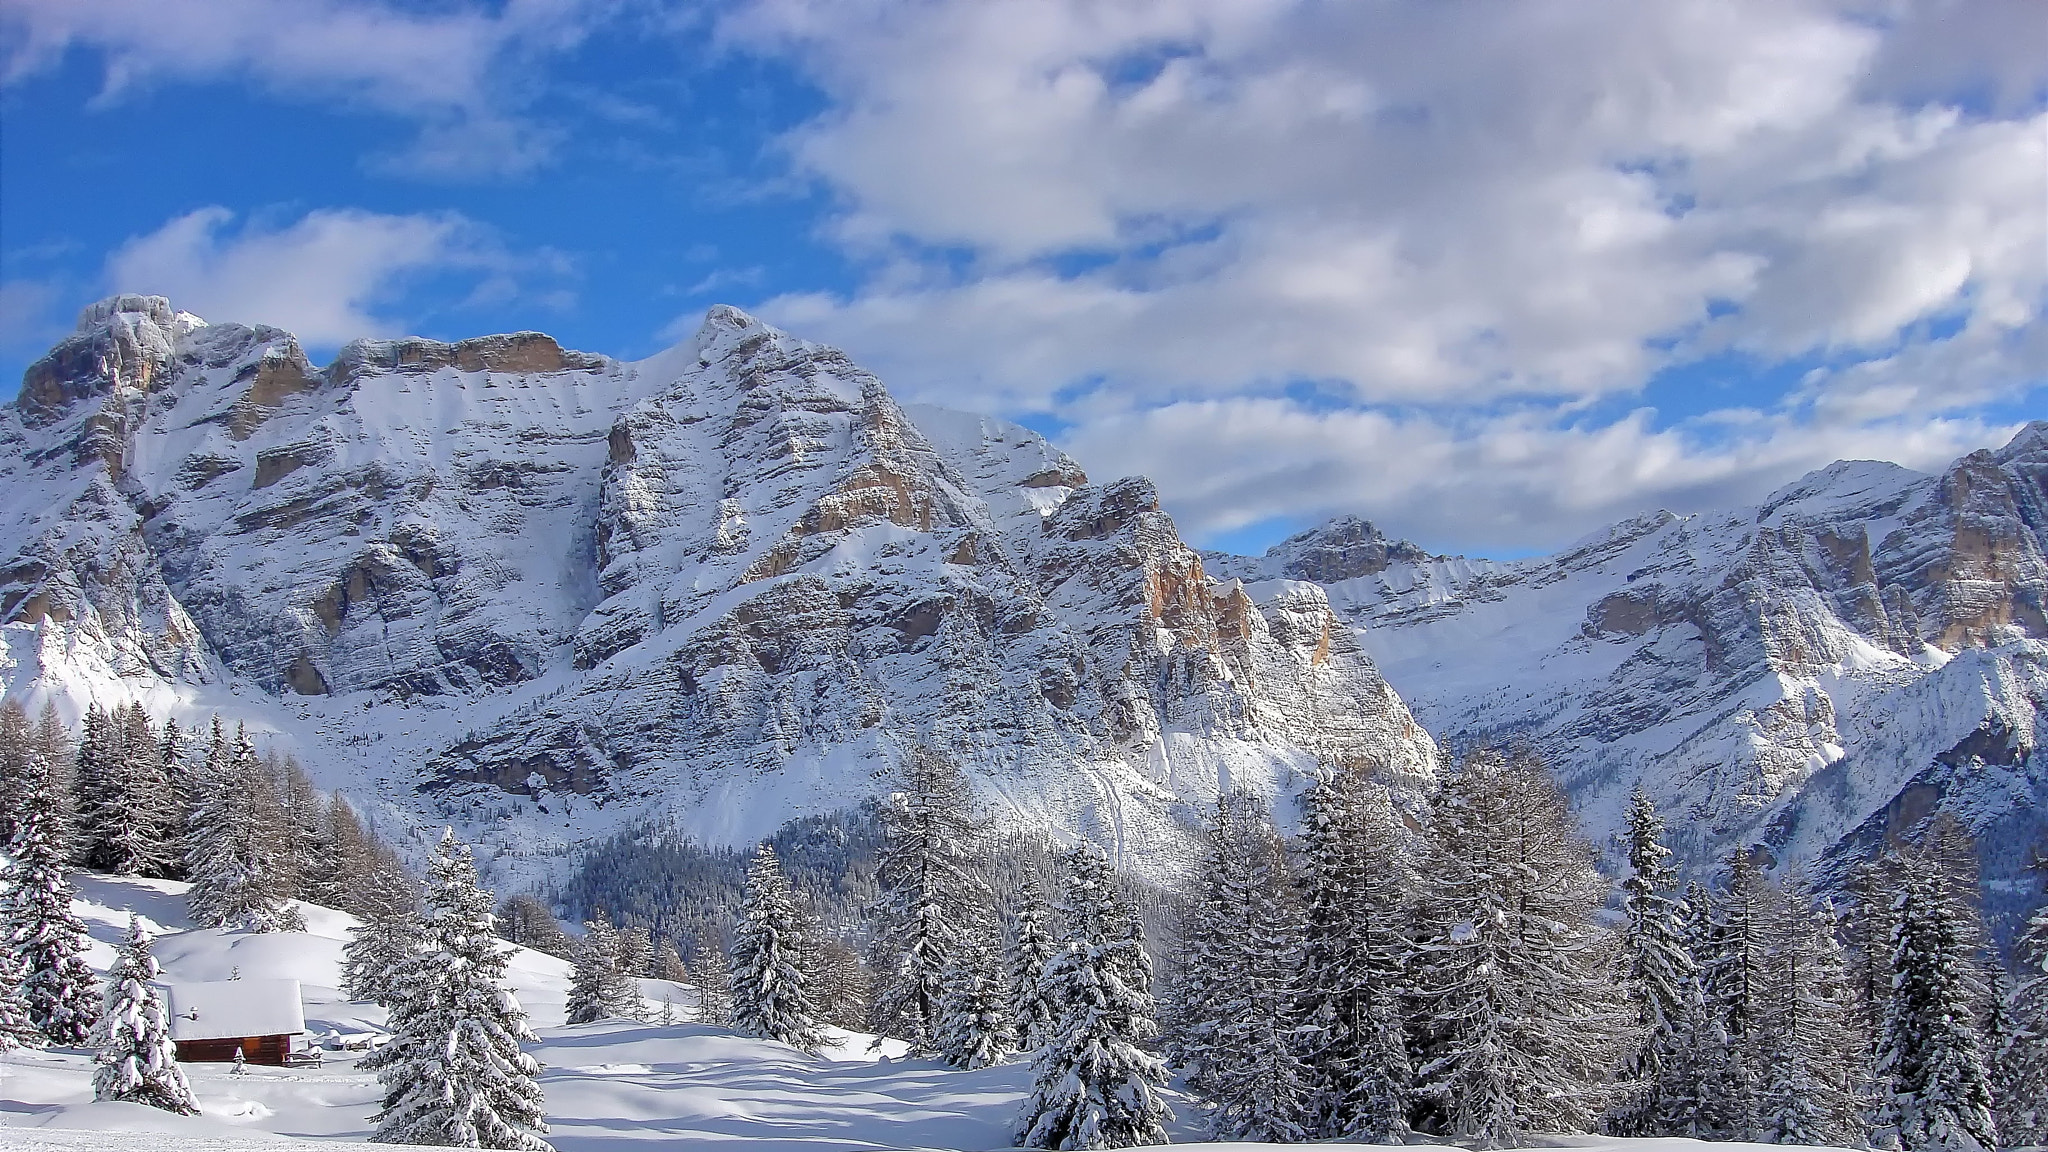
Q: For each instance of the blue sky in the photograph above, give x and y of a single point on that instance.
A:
(1490, 277)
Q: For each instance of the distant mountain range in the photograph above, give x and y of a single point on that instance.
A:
(544, 594)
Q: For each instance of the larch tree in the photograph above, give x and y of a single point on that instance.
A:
(1733, 977)
(770, 997)
(137, 1061)
(383, 945)
(454, 1073)
(1521, 1019)
(1808, 1044)
(1093, 1084)
(1692, 1067)
(599, 988)
(1657, 969)
(2021, 1070)
(927, 892)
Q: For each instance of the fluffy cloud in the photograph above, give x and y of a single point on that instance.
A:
(1458, 228)
(443, 67)
(324, 277)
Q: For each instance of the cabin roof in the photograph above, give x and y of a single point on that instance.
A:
(230, 1009)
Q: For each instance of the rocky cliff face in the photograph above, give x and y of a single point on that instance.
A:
(541, 592)
(1863, 649)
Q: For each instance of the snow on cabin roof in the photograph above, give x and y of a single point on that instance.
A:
(227, 1009)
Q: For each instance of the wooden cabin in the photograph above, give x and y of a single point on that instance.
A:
(211, 1019)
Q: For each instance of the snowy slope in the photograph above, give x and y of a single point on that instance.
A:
(1811, 675)
(541, 593)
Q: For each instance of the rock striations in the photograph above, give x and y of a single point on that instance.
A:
(544, 593)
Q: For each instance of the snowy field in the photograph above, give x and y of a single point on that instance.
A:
(610, 1086)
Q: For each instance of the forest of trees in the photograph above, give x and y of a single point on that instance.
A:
(1456, 966)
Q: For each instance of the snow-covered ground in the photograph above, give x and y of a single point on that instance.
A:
(610, 1086)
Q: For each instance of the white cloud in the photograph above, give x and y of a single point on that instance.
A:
(327, 277)
(1151, 217)
(445, 67)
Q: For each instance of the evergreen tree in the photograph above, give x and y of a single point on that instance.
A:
(17, 765)
(636, 951)
(1243, 946)
(125, 819)
(1030, 947)
(599, 988)
(384, 944)
(1691, 1068)
(95, 776)
(230, 856)
(1522, 1017)
(166, 812)
(1093, 1084)
(1357, 874)
(2022, 1066)
(137, 1060)
(453, 1072)
(769, 993)
(1809, 1050)
(1657, 967)
(1934, 1086)
(16, 1029)
(974, 1012)
(927, 888)
(44, 939)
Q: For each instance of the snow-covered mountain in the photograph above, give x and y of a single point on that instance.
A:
(1865, 647)
(541, 592)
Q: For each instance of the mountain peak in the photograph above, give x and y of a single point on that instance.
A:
(1339, 549)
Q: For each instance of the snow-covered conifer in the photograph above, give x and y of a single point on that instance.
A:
(1522, 1015)
(2021, 1077)
(1358, 878)
(137, 1060)
(1656, 966)
(599, 988)
(16, 1029)
(636, 951)
(381, 948)
(1093, 1084)
(1691, 1068)
(927, 889)
(769, 993)
(1933, 1082)
(454, 1073)
(1809, 1053)
(1030, 946)
(1733, 978)
(1242, 948)
(974, 1013)
(229, 857)
(45, 939)
(17, 764)
(94, 774)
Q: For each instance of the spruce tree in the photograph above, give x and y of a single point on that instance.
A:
(1657, 967)
(17, 764)
(16, 1029)
(1093, 1084)
(2022, 1064)
(769, 994)
(1933, 1081)
(975, 1027)
(453, 1072)
(1521, 1014)
(1030, 947)
(1690, 1071)
(1357, 876)
(1733, 967)
(137, 1060)
(95, 778)
(927, 888)
(384, 943)
(44, 938)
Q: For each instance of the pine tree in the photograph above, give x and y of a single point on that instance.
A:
(1808, 1047)
(599, 988)
(927, 888)
(44, 939)
(769, 993)
(137, 1060)
(1093, 1084)
(454, 1073)
(1357, 876)
(2022, 1065)
(1522, 1018)
(1243, 949)
(1030, 948)
(1657, 967)
(1933, 1081)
